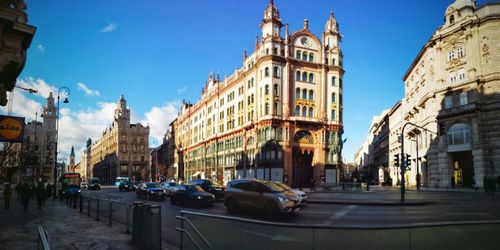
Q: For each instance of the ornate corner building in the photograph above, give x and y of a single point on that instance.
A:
(277, 117)
(121, 151)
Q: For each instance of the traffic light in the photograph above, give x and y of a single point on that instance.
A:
(408, 161)
(396, 160)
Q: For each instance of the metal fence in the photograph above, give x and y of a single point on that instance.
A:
(207, 231)
(340, 187)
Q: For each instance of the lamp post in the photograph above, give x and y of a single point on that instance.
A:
(65, 91)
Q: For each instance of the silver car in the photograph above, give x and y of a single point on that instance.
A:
(169, 187)
(302, 196)
(261, 195)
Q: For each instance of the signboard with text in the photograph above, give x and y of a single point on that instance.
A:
(11, 128)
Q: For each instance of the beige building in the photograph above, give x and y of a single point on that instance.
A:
(452, 90)
(122, 150)
(278, 117)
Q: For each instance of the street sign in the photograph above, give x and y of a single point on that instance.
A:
(11, 128)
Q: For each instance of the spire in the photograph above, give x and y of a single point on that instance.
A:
(72, 152)
(331, 25)
(271, 13)
(244, 54)
(306, 24)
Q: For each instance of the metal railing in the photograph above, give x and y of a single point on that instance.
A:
(43, 239)
(240, 233)
(340, 187)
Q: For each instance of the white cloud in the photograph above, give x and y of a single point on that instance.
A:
(40, 85)
(109, 28)
(41, 48)
(87, 90)
(159, 119)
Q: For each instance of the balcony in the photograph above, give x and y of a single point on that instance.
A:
(457, 111)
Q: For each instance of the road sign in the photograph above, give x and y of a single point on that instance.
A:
(11, 128)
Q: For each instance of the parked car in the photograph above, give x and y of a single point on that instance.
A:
(126, 186)
(84, 185)
(94, 183)
(260, 195)
(212, 187)
(169, 187)
(190, 194)
(149, 191)
(302, 196)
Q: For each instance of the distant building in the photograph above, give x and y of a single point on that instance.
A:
(277, 117)
(122, 150)
(162, 159)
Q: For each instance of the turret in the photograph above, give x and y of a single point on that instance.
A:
(122, 113)
(331, 41)
(271, 23)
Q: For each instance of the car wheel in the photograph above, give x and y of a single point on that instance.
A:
(231, 205)
(271, 210)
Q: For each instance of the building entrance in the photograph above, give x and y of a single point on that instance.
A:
(302, 167)
(463, 168)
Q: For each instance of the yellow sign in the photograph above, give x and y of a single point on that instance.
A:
(11, 128)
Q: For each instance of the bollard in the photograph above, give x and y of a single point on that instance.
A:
(110, 218)
(88, 207)
(81, 204)
(97, 210)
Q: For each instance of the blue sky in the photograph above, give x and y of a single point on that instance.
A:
(157, 53)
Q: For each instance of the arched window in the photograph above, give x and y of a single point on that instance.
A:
(275, 108)
(311, 95)
(334, 81)
(311, 112)
(304, 94)
(298, 55)
(276, 72)
(275, 89)
(304, 77)
(311, 57)
(297, 93)
(452, 19)
(266, 91)
(458, 134)
(304, 56)
(304, 111)
(333, 97)
(333, 114)
(266, 72)
(311, 77)
(266, 110)
(297, 111)
(297, 76)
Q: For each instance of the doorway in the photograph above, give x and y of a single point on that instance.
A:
(303, 171)
(463, 168)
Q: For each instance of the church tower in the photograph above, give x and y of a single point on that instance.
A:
(72, 159)
(122, 113)
(271, 24)
(49, 119)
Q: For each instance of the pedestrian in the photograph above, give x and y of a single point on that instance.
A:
(7, 193)
(313, 188)
(452, 182)
(40, 196)
(25, 192)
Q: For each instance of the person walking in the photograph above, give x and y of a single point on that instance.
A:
(452, 182)
(25, 192)
(7, 193)
(40, 196)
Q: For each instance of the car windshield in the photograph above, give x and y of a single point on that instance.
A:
(151, 185)
(127, 183)
(194, 188)
(273, 186)
(283, 185)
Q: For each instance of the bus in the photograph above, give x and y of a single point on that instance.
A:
(121, 179)
(70, 185)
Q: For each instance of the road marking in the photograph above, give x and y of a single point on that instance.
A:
(466, 213)
(341, 213)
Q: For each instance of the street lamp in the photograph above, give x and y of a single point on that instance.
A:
(66, 92)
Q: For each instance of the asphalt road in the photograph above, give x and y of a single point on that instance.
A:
(444, 207)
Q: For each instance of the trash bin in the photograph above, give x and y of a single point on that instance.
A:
(155, 236)
(137, 221)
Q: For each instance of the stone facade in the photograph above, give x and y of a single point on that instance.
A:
(122, 150)
(162, 159)
(278, 117)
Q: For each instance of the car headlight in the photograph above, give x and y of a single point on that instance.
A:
(198, 197)
(152, 192)
(282, 199)
(79, 191)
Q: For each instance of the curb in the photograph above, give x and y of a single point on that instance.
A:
(372, 203)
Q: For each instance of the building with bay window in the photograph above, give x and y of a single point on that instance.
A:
(277, 117)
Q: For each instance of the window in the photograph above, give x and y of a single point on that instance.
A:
(267, 109)
(461, 75)
(267, 51)
(333, 97)
(448, 102)
(304, 77)
(298, 55)
(297, 76)
(297, 93)
(451, 55)
(304, 56)
(310, 112)
(311, 95)
(266, 72)
(304, 110)
(453, 77)
(452, 19)
(275, 51)
(304, 94)
(333, 114)
(334, 81)
(297, 111)
(311, 57)
(266, 91)
(276, 72)
(463, 98)
(333, 61)
(458, 134)
(460, 52)
(311, 77)
(275, 108)
(275, 89)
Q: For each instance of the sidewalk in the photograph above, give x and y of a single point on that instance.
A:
(67, 228)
